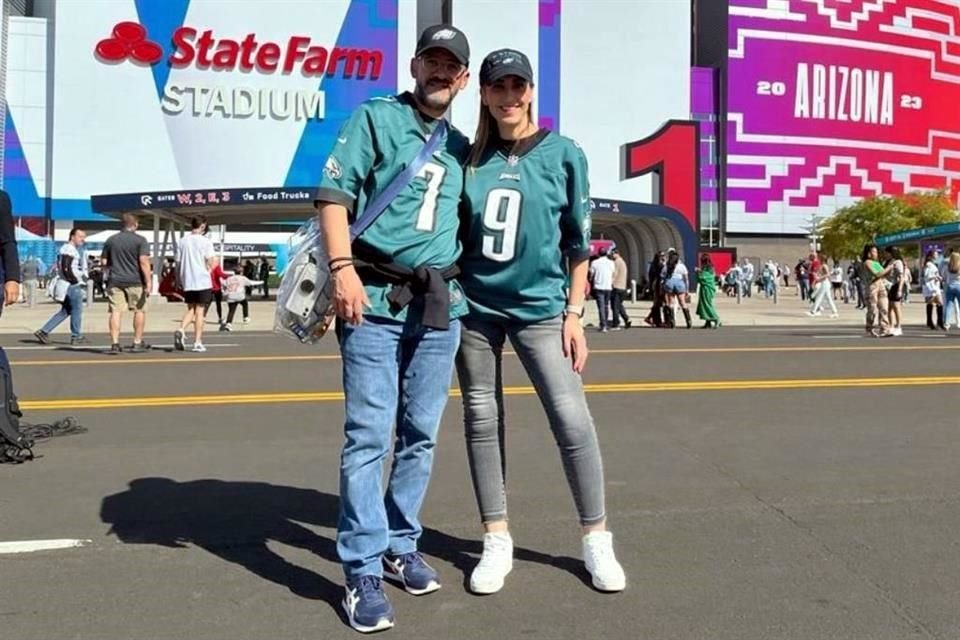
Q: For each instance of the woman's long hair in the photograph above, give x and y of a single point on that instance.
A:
(929, 257)
(954, 264)
(866, 251)
(672, 259)
(487, 133)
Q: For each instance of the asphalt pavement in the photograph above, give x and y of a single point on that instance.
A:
(762, 482)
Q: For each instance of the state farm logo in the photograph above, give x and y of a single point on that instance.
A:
(129, 41)
(202, 50)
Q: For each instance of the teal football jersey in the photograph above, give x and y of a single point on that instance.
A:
(420, 227)
(523, 216)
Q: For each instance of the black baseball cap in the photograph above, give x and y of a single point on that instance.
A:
(505, 62)
(448, 38)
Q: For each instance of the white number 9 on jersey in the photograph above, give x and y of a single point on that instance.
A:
(501, 220)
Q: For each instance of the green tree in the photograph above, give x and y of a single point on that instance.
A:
(845, 233)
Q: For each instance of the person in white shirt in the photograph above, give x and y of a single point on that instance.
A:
(195, 259)
(748, 274)
(73, 271)
(601, 274)
(933, 290)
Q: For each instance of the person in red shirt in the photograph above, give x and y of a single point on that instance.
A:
(217, 275)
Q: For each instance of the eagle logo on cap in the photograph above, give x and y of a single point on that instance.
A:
(445, 34)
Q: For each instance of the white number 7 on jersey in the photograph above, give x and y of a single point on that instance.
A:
(427, 216)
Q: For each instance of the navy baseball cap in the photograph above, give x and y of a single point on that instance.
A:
(505, 62)
(448, 38)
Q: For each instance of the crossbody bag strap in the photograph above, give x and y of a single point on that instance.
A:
(379, 204)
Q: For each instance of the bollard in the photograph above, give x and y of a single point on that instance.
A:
(633, 291)
(739, 291)
(776, 292)
(89, 292)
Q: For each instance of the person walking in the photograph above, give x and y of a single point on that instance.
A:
(952, 288)
(514, 279)
(932, 290)
(235, 290)
(129, 276)
(706, 291)
(748, 275)
(71, 268)
(398, 303)
(676, 284)
(195, 259)
(655, 280)
(821, 292)
(264, 274)
(898, 283)
(217, 276)
(601, 277)
(619, 292)
(30, 272)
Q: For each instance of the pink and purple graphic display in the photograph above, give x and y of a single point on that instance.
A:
(833, 100)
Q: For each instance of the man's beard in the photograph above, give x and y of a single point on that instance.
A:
(434, 100)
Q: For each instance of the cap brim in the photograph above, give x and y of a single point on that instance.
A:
(456, 54)
(500, 73)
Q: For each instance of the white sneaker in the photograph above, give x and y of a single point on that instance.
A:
(495, 563)
(602, 563)
(834, 315)
(198, 347)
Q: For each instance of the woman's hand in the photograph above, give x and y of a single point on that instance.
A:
(574, 342)
(349, 297)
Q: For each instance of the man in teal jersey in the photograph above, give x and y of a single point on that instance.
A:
(526, 212)
(398, 307)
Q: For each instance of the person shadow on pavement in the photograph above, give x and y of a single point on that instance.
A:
(235, 520)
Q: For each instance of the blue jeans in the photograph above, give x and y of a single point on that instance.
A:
(396, 380)
(602, 297)
(72, 307)
(540, 350)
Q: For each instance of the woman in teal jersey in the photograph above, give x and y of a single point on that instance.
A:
(526, 224)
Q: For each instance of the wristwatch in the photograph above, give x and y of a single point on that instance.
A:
(573, 309)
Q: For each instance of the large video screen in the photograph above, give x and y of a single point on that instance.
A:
(182, 94)
(830, 101)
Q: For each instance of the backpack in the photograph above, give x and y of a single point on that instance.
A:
(15, 446)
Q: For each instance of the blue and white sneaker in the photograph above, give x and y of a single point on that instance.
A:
(417, 577)
(366, 605)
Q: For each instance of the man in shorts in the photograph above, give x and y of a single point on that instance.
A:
(195, 259)
(126, 259)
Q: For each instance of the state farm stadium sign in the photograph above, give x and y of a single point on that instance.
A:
(205, 50)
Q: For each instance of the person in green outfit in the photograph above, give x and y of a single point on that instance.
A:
(874, 275)
(706, 289)
(526, 222)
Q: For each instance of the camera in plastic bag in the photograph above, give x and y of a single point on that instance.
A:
(304, 308)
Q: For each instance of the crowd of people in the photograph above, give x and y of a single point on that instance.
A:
(123, 274)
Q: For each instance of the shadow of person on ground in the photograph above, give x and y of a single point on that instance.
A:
(233, 521)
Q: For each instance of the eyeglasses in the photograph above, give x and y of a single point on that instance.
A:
(448, 67)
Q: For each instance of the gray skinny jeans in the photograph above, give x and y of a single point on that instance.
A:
(479, 367)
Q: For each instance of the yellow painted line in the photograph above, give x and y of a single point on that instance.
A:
(625, 387)
(121, 360)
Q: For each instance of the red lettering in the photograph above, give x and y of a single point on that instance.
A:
(182, 48)
(294, 52)
(204, 44)
(316, 62)
(226, 56)
(268, 56)
(248, 47)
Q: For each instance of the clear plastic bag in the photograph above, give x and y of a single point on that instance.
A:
(304, 310)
